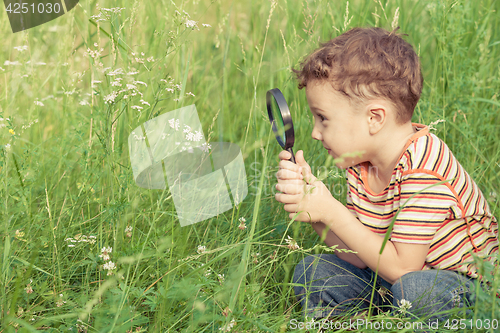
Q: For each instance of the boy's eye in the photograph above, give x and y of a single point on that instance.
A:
(322, 118)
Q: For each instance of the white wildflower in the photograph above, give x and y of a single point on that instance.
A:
(169, 90)
(131, 86)
(404, 306)
(190, 136)
(228, 327)
(116, 82)
(7, 147)
(198, 136)
(60, 302)
(242, 225)
(191, 24)
(92, 239)
(109, 266)
(128, 231)
(292, 244)
(105, 251)
(117, 71)
(205, 147)
(111, 97)
(174, 123)
(150, 59)
(29, 125)
(140, 82)
(116, 10)
(144, 102)
(206, 25)
(21, 48)
(201, 249)
(11, 63)
(84, 102)
(190, 94)
(38, 103)
(137, 107)
(132, 73)
(187, 129)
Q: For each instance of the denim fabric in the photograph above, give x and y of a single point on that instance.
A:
(328, 286)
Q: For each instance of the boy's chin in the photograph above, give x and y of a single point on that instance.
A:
(346, 164)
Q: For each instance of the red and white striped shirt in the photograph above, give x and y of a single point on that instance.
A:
(433, 200)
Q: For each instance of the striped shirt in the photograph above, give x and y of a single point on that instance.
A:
(433, 200)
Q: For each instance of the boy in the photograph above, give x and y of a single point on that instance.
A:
(362, 88)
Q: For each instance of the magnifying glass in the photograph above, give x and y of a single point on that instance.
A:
(281, 120)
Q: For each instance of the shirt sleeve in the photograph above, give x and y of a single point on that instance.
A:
(424, 207)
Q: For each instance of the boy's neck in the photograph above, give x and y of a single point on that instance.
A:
(389, 149)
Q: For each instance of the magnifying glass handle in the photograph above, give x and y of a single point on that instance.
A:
(293, 156)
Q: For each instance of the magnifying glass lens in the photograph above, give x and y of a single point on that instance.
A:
(278, 120)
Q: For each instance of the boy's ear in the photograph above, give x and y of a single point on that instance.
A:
(377, 117)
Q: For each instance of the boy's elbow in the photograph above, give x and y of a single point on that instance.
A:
(393, 278)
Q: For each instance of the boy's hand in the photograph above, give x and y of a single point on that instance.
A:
(301, 191)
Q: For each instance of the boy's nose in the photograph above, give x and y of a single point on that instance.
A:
(316, 135)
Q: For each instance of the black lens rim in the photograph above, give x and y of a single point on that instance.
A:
(285, 114)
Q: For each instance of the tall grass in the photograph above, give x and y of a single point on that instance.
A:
(66, 176)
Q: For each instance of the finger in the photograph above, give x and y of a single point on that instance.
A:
(295, 182)
(291, 208)
(304, 217)
(288, 198)
(285, 155)
(288, 174)
(291, 189)
(289, 166)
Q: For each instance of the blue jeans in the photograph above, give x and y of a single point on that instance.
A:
(328, 286)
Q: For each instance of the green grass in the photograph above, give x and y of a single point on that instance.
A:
(68, 172)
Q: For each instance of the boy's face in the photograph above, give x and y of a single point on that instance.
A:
(339, 126)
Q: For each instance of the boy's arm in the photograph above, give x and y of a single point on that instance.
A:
(397, 258)
(332, 239)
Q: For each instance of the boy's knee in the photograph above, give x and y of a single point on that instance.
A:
(307, 267)
(432, 290)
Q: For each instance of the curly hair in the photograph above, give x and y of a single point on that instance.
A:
(368, 62)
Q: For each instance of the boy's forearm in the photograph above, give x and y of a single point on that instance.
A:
(332, 239)
(366, 243)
